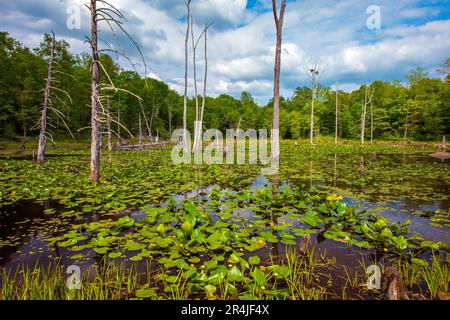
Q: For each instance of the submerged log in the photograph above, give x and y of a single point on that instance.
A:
(119, 214)
(441, 155)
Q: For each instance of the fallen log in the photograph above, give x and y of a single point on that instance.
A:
(143, 146)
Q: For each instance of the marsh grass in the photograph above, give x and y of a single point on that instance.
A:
(437, 276)
(296, 276)
(105, 282)
(303, 280)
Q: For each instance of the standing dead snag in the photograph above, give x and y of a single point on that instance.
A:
(140, 132)
(198, 125)
(337, 116)
(194, 70)
(48, 88)
(95, 93)
(204, 80)
(188, 5)
(110, 143)
(367, 101)
(275, 143)
(313, 72)
(113, 18)
(371, 121)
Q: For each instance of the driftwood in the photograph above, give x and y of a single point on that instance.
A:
(394, 285)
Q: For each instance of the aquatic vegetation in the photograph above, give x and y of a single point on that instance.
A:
(437, 277)
(102, 282)
(223, 232)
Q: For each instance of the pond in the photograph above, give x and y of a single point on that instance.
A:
(408, 188)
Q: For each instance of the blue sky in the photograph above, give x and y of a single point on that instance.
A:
(241, 42)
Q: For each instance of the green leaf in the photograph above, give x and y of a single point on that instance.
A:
(197, 236)
(160, 228)
(136, 258)
(210, 292)
(181, 264)
(233, 258)
(312, 219)
(419, 262)
(254, 260)
(146, 293)
(211, 264)
(114, 255)
(387, 233)
(234, 274)
(400, 242)
(163, 242)
(259, 277)
(430, 244)
(101, 250)
(186, 227)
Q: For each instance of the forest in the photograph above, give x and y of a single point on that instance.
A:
(416, 111)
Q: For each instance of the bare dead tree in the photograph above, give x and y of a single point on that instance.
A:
(95, 93)
(188, 6)
(275, 143)
(48, 88)
(194, 70)
(371, 121)
(114, 19)
(198, 128)
(313, 70)
(110, 143)
(155, 110)
(367, 101)
(140, 132)
(205, 77)
(170, 116)
(337, 116)
(119, 138)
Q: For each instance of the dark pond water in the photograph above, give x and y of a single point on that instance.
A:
(394, 186)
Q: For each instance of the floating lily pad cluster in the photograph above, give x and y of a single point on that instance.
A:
(221, 238)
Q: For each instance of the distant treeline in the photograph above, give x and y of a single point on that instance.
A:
(423, 106)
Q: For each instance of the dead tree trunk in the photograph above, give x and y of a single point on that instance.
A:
(110, 143)
(337, 117)
(367, 100)
(311, 122)
(371, 122)
(48, 88)
(95, 103)
(152, 115)
(363, 117)
(119, 139)
(275, 143)
(199, 115)
(140, 132)
(204, 79)
(313, 72)
(188, 5)
(194, 70)
(170, 116)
